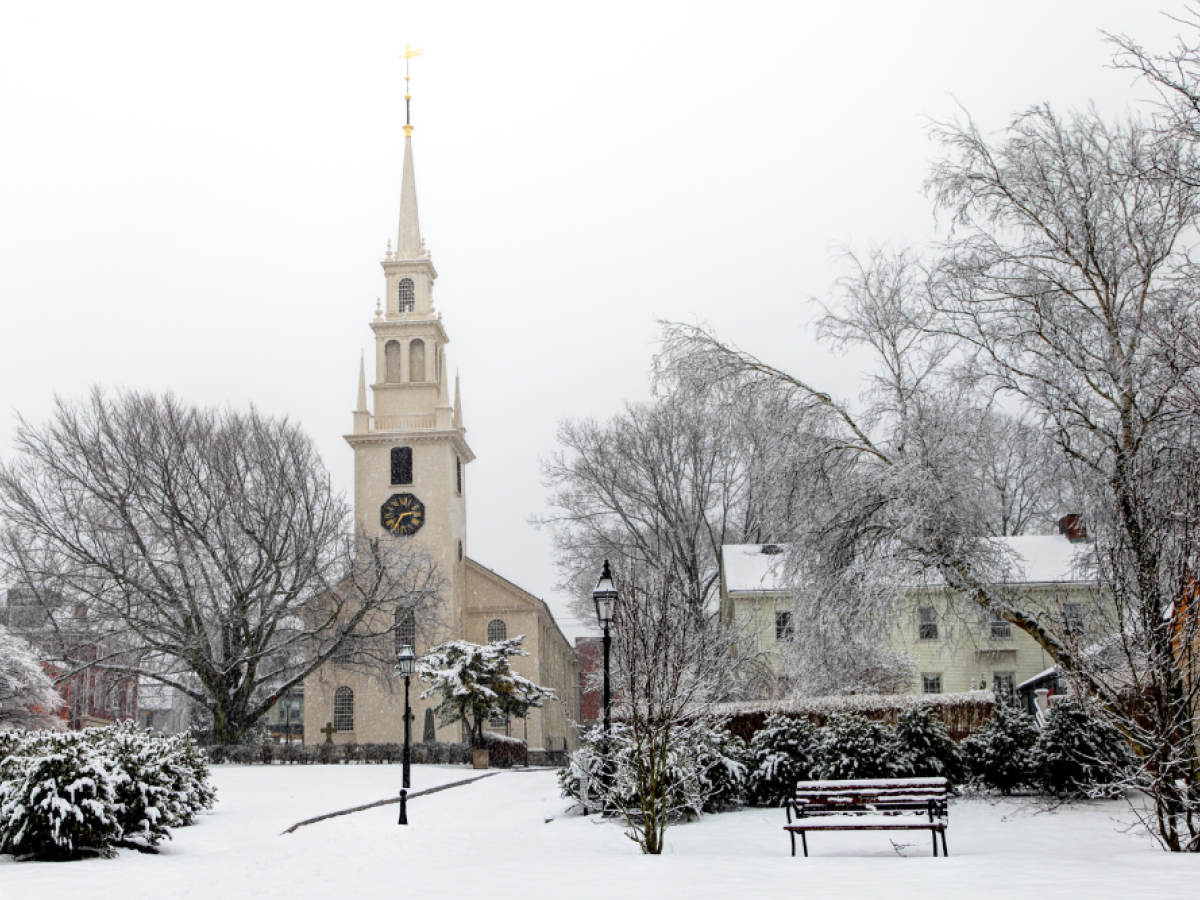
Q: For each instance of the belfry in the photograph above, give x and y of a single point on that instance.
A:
(410, 480)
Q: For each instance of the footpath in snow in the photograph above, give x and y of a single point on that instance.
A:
(510, 836)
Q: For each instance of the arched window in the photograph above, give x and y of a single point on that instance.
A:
(407, 295)
(406, 627)
(458, 472)
(343, 709)
(402, 465)
(416, 360)
(391, 355)
(497, 631)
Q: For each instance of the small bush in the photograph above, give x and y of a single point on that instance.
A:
(1000, 754)
(1077, 753)
(854, 747)
(924, 749)
(782, 752)
(705, 769)
(58, 798)
(504, 752)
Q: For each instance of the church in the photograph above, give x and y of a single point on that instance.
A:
(411, 460)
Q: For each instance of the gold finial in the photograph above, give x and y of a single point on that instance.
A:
(409, 53)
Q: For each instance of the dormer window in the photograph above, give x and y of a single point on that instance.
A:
(408, 295)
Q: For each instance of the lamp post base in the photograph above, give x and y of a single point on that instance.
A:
(403, 808)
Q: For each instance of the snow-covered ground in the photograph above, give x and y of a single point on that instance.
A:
(510, 836)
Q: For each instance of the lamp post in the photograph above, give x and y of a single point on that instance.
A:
(407, 661)
(605, 597)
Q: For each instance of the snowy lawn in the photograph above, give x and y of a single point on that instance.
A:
(492, 839)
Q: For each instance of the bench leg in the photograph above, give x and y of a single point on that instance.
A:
(792, 835)
(945, 852)
(934, 833)
(804, 841)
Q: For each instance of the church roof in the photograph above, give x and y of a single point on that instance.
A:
(1035, 559)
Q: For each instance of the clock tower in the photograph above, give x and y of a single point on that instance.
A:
(411, 453)
(410, 483)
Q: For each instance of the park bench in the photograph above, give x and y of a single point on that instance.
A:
(869, 804)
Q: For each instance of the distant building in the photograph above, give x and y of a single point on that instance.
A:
(951, 654)
(93, 697)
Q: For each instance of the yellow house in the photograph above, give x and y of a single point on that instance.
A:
(952, 650)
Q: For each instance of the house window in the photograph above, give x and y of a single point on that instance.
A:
(343, 709)
(497, 631)
(927, 624)
(416, 360)
(931, 683)
(407, 295)
(391, 358)
(783, 627)
(1073, 619)
(1001, 630)
(402, 465)
(406, 627)
(1004, 684)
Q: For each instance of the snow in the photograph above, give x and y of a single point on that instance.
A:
(747, 568)
(492, 838)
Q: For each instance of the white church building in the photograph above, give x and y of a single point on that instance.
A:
(411, 462)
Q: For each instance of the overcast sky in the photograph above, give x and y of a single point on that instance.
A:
(196, 198)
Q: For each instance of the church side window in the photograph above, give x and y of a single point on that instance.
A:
(391, 355)
(497, 631)
(406, 627)
(416, 360)
(407, 295)
(343, 709)
(458, 472)
(402, 469)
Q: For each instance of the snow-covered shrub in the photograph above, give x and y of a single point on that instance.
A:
(188, 767)
(1000, 754)
(782, 752)
(504, 752)
(717, 761)
(58, 797)
(924, 748)
(144, 791)
(1076, 751)
(854, 747)
(705, 770)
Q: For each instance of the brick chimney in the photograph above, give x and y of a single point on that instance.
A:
(1073, 527)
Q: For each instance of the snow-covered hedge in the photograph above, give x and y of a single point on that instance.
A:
(961, 714)
(69, 794)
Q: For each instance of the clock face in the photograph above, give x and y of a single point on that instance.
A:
(402, 514)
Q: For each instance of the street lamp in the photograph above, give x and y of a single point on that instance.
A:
(407, 661)
(605, 597)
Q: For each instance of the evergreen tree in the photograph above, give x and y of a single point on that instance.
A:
(782, 752)
(476, 683)
(925, 748)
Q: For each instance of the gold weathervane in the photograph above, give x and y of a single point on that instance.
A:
(409, 53)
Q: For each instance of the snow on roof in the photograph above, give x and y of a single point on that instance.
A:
(748, 568)
(1036, 559)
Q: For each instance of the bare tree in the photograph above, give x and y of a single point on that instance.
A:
(1066, 271)
(201, 549)
(662, 485)
(27, 695)
(671, 665)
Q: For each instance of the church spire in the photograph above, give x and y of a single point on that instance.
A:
(457, 403)
(362, 383)
(409, 244)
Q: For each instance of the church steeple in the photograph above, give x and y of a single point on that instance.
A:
(409, 244)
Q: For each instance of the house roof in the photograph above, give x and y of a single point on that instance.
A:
(1036, 559)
